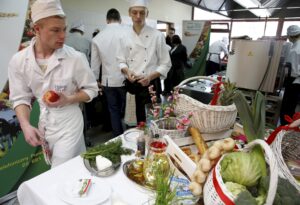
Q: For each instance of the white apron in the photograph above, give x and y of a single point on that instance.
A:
(63, 130)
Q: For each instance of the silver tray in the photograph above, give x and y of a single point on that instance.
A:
(103, 173)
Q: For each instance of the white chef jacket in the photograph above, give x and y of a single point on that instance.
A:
(79, 43)
(67, 72)
(104, 51)
(215, 50)
(294, 59)
(145, 53)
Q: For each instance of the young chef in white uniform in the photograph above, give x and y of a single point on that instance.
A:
(48, 64)
(143, 56)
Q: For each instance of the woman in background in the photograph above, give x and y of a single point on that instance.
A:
(179, 59)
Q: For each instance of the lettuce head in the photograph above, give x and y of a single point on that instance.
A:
(241, 168)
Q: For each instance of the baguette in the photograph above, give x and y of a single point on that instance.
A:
(198, 139)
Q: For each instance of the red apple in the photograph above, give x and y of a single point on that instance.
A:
(51, 96)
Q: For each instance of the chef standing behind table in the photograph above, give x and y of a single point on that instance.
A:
(143, 57)
(48, 64)
(213, 63)
(292, 84)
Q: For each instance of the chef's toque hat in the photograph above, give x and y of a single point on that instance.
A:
(45, 8)
(225, 40)
(293, 30)
(78, 25)
(143, 3)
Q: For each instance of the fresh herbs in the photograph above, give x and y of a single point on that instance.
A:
(164, 194)
(110, 150)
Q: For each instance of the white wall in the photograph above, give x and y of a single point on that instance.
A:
(11, 33)
(93, 12)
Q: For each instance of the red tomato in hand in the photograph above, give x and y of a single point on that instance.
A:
(51, 96)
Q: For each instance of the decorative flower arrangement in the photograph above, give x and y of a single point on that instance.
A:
(167, 111)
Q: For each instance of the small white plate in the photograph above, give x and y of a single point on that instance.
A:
(98, 193)
(131, 135)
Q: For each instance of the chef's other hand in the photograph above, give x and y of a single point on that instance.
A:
(100, 88)
(144, 81)
(130, 75)
(32, 135)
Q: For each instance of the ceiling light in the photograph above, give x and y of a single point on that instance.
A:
(251, 5)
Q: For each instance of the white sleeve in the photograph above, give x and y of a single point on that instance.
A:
(84, 77)
(20, 93)
(164, 61)
(224, 48)
(121, 53)
(95, 60)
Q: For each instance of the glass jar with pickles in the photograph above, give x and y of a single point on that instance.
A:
(156, 159)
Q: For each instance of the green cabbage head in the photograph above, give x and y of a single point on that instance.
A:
(241, 168)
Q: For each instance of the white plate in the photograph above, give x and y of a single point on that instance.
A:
(131, 135)
(99, 192)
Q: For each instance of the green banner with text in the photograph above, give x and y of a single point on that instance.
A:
(18, 160)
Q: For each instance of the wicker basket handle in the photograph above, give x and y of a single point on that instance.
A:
(273, 168)
(153, 124)
(197, 78)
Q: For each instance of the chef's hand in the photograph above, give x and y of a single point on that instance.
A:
(144, 80)
(130, 75)
(61, 102)
(32, 135)
(100, 88)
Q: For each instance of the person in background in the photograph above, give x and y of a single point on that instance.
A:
(292, 82)
(179, 60)
(76, 39)
(48, 64)
(143, 57)
(104, 47)
(95, 33)
(171, 33)
(213, 63)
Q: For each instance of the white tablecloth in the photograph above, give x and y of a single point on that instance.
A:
(42, 189)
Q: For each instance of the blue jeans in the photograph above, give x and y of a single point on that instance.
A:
(116, 99)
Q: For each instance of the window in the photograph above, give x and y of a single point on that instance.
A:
(286, 24)
(254, 30)
(271, 28)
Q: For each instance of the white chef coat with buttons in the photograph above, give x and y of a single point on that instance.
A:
(67, 72)
(144, 53)
(215, 50)
(104, 51)
(294, 59)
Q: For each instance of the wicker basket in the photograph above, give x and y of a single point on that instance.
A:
(215, 191)
(283, 169)
(162, 127)
(207, 118)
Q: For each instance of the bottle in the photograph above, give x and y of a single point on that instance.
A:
(156, 160)
(141, 144)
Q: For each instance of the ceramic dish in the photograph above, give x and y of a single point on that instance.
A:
(101, 173)
(98, 193)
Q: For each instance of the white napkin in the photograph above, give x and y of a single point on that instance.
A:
(117, 200)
